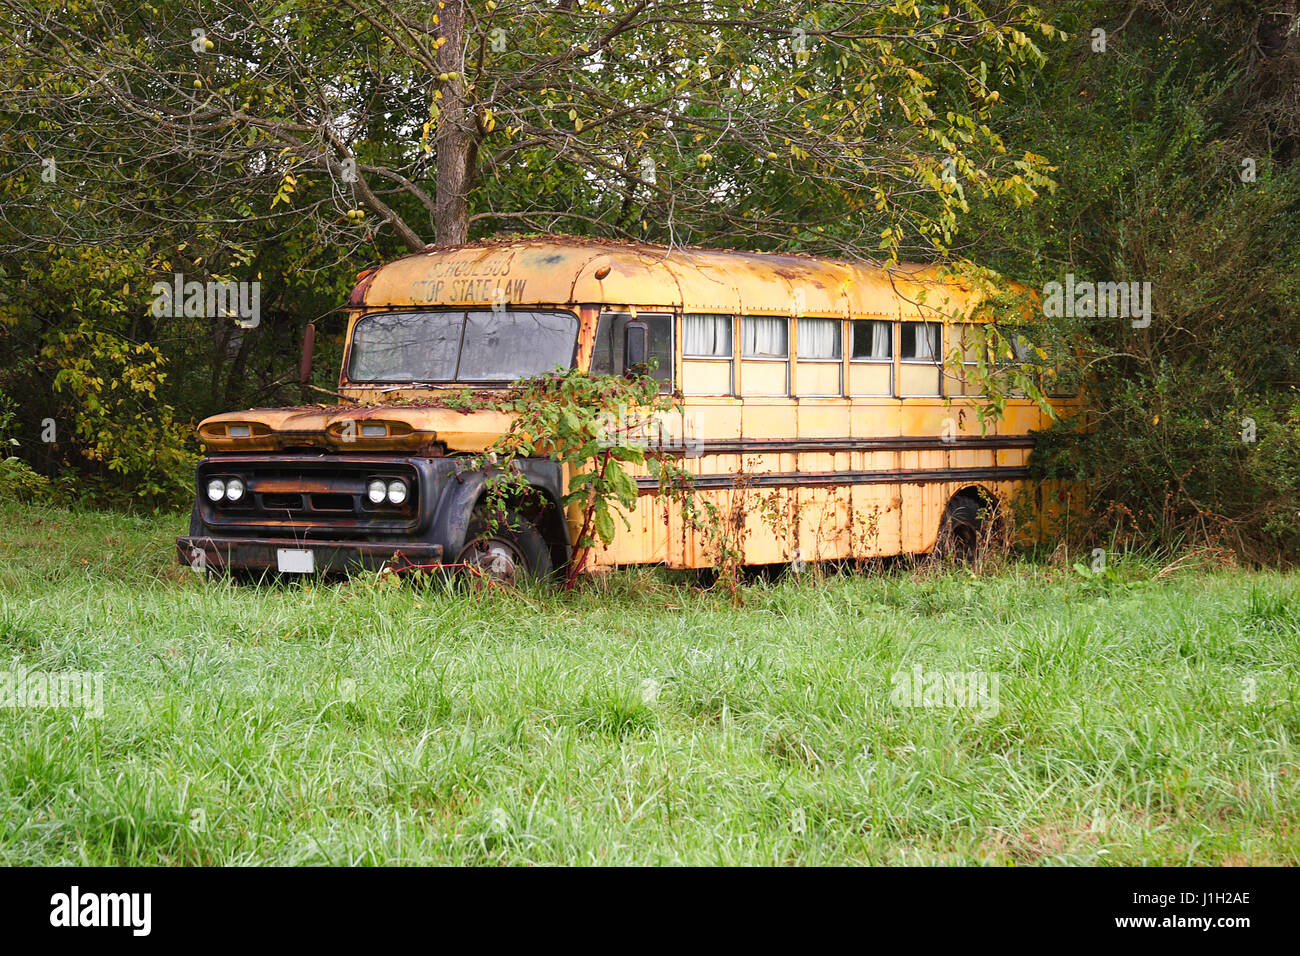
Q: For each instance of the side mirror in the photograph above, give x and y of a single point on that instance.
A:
(308, 348)
(636, 347)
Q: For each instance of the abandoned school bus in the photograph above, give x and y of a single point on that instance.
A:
(823, 411)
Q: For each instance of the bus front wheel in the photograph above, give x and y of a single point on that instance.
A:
(506, 550)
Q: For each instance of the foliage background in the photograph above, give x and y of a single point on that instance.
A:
(1149, 139)
(1144, 143)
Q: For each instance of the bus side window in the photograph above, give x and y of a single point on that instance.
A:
(964, 378)
(1012, 349)
(820, 356)
(707, 356)
(764, 355)
(921, 354)
(871, 359)
(607, 353)
(1063, 375)
(1064, 379)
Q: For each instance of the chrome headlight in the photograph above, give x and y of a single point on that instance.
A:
(234, 489)
(216, 489)
(376, 491)
(397, 492)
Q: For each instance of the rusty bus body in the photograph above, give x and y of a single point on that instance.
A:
(854, 445)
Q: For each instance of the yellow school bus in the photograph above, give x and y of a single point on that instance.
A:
(824, 411)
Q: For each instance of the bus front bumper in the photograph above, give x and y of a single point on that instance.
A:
(275, 554)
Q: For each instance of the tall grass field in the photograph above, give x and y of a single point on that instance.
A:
(1034, 714)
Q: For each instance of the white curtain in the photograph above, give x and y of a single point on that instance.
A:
(882, 340)
(873, 341)
(819, 338)
(764, 337)
(927, 341)
(706, 334)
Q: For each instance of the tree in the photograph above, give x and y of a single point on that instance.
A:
(856, 127)
(291, 143)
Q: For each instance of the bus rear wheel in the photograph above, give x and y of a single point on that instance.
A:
(963, 532)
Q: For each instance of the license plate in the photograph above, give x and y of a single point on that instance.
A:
(295, 561)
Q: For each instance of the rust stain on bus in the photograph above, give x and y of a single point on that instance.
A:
(561, 271)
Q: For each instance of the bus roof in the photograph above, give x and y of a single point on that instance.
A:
(568, 271)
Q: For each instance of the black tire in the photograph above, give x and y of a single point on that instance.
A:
(506, 551)
(962, 531)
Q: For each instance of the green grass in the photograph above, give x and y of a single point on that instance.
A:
(641, 721)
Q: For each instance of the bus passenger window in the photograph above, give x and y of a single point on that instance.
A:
(706, 335)
(921, 352)
(871, 360)
(706, 354)
(765, 354)
(1012, 350)
(965, 378)
(820, 348)
(1064, 376)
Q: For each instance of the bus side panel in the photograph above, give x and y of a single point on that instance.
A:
(824, 530)
(875, 418)
(823, 418)
(1019, 418)
(875, 521)
(646, 541)
(915, 537)
(769, 518)
(707, 420)
(771, 418)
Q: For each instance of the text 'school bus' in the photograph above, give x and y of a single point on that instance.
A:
(818, 414)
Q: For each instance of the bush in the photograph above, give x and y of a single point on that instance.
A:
(1191, 432)
(19, 482)
(130, 441)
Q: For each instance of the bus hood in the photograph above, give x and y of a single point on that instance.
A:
(413, 429)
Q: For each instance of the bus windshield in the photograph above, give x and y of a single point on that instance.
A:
(475, 346)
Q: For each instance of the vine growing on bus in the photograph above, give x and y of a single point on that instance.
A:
(596, 427)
